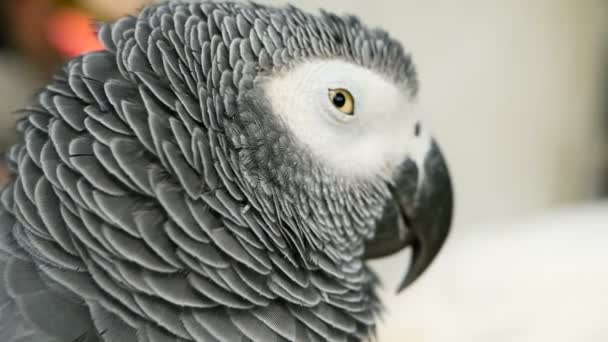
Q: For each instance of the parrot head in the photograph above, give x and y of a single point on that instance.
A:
(329, 130)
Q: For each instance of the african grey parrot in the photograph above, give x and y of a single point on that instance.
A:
(219, 172)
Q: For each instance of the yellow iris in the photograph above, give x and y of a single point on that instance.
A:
(343, 100)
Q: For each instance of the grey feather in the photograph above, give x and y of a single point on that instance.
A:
(156, 198)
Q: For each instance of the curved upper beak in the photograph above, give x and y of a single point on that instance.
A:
(419, 215)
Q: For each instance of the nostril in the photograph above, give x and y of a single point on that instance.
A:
(417, 129)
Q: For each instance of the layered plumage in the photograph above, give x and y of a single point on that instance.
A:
(155, 197)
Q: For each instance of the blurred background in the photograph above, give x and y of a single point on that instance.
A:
(516, 93)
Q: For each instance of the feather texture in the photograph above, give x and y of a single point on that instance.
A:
(150, 200)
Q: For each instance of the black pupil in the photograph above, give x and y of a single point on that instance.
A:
(339, 100)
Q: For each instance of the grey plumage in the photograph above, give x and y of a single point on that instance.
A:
(154, 197)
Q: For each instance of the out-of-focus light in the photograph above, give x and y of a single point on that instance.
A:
(72, 32)
(111, 9)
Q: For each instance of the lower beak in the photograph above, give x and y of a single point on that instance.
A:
(418, 216)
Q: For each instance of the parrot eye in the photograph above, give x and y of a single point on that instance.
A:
(343, 100)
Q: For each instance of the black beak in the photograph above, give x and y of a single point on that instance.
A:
(419, 216)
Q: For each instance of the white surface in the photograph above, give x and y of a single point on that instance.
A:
(541, 279)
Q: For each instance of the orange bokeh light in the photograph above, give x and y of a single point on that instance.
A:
(72, 32)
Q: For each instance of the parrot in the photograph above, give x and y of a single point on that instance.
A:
(219, 171)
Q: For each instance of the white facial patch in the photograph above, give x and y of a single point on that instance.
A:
(373, 141)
